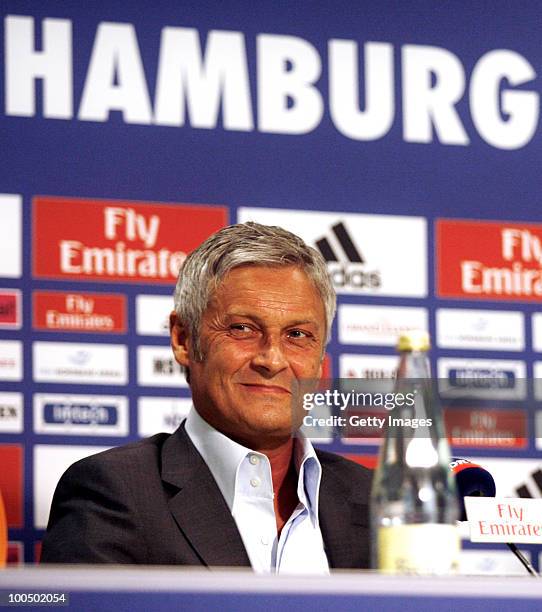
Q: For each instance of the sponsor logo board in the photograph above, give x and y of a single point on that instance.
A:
(152, 314)
(109, 240)
(11, 236)
(482, 378)
(537, 331)
(156, 414)
(79, 312)
(538, 429)
(11, 360)
(83, 415)
(537, 376)
(490, 563)
(538, 426)
(480, 329)
(156, 367)
(477, 427)
(366, 254)
(489, 260)
(11, 413)
(71, 362)
(379, 367)
(12, 483)
(50, 462)
(378, 325)
(514, 477)
(10, 309)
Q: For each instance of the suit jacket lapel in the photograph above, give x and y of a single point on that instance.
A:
(343, 522)
(198, 507)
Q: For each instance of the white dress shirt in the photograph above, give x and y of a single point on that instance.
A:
(244, 479)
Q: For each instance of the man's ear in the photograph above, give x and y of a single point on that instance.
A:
(180, 342)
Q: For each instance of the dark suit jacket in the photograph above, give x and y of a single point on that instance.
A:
(156, 502)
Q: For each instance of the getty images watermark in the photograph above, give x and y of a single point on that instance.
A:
(341, 410)
(484, 410)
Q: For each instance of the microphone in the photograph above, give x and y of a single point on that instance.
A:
(472, 480)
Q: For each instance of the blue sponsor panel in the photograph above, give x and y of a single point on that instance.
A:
(80, 414)
(464, 378)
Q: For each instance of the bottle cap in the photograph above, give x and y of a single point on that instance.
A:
(414, 340)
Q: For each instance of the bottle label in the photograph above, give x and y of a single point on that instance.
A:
(418, 549)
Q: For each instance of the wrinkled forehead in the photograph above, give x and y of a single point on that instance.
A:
(289, 286)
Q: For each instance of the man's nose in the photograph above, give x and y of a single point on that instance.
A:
(270, 358)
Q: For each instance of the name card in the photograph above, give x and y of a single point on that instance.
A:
(504, 519)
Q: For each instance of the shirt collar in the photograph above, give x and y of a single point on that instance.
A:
(223, 457)
(310, 474)
(221, 454)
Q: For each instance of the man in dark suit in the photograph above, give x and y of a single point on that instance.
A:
(235, 485)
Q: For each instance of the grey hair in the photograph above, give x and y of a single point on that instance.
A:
(241, 245)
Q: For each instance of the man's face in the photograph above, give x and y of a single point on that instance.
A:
(262, 332)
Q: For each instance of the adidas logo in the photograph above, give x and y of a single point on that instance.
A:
(351, 274)
(525, 492)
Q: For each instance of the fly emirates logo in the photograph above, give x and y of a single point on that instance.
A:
(522, 251)
(490, 260)
(125, 228)
(97, 240)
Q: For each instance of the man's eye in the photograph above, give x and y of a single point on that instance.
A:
(298, 333)
(240, 329)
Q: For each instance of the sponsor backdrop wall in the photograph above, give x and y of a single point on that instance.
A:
(399, 138)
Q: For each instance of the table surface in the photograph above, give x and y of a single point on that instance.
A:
(166, 588)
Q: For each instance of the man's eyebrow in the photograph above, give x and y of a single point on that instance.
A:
(260, 321)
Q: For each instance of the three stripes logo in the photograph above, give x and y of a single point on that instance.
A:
(526, 492)
(351, 272)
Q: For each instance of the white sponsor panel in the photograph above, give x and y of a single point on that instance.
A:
(156, 414)
(538, 414)
(378, 325)
(10, 236)
(504, 519)
(50, 462)
(482, 378)
(152, 314)
(368, 366)
(11, 360)
(491, 563)
(11, 412)
(156, 367)
(480, 329)
(78, 362)
(537, 376)
(81, 415)
(366, 254)
(537, 331)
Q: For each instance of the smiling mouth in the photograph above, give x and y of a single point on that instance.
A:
(266, 389)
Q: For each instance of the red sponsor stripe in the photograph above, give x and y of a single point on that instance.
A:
(9, 308)
(468, 427)
(11, 483)
(488, 260)
(37, 551)
(79, 312)
(15, 553)
(111, 240)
